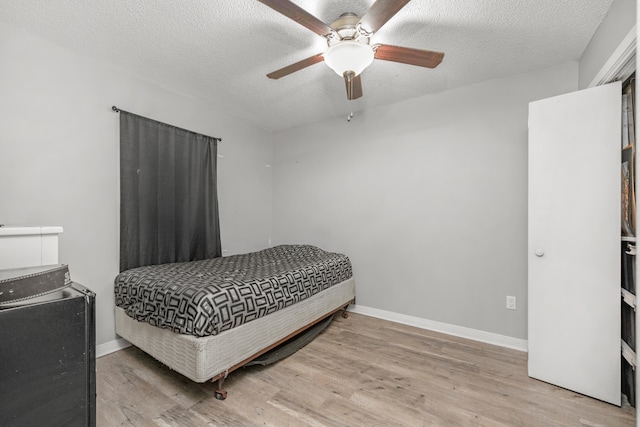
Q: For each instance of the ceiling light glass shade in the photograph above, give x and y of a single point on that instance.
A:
(349, 56)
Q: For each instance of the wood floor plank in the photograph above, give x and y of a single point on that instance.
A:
(305, 410)
(178, 416)
(359, 371)
(301, 386)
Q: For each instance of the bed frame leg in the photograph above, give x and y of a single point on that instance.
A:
(345, 313)
(221, 393)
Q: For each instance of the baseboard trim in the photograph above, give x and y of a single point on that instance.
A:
(111, 346)
(446, 328)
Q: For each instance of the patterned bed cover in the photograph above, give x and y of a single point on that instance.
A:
(203, 298)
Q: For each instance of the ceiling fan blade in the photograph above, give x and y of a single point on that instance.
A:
(379, 13)
(296, 67)
(354, 85)
(407, 55)
(301, 16)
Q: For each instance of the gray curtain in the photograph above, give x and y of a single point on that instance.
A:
(168, 194)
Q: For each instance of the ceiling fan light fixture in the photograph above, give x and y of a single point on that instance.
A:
(349, 55)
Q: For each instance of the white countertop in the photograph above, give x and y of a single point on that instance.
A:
(12, 230)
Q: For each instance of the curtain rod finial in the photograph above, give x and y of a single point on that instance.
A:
(116, 109)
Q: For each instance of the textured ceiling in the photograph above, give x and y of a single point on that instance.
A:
(221, 50)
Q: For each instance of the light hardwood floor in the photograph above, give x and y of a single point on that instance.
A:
(360, 371)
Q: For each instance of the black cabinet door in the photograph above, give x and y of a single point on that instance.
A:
(47, 362)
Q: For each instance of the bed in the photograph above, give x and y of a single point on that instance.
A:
(206, 318)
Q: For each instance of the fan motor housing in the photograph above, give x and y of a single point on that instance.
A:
(346, 27)
(346, 21)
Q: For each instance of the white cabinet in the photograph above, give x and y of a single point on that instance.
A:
(28, 246)
(574, 241)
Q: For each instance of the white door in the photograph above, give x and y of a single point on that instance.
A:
(574, 241)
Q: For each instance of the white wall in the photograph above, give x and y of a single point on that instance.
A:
(59, 157)
(620, 19)
(427, 197)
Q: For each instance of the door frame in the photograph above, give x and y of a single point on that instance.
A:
(622, 62)
(620, 65)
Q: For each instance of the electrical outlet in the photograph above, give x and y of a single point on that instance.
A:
(511, 303)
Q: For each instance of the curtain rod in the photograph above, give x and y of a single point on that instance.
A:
(117, 110)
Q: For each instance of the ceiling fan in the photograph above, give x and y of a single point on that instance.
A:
(349, 51)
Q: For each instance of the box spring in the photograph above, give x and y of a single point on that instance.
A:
(203, 358)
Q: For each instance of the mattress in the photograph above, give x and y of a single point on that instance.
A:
(203, 358)
(208, 297)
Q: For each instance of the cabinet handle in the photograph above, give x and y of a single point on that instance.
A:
(539, 253)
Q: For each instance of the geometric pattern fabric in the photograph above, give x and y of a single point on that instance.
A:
(203, 298)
